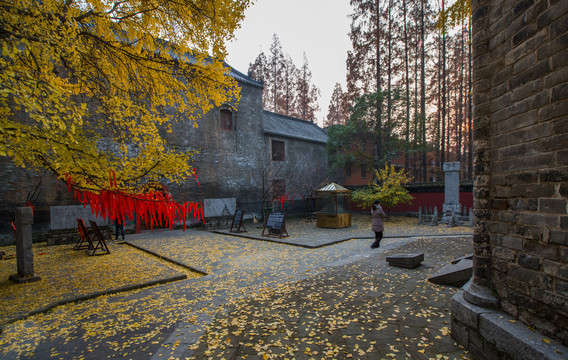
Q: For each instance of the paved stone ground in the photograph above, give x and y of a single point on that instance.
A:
(305, 233)
(313, 296)
(364, 310)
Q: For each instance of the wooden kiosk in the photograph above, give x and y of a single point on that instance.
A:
(333, 207)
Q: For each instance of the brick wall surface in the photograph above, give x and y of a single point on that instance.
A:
(521, 158)
(226, 164)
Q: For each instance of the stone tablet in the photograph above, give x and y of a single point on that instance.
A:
(451, 190)
(219, 207)
(65, 217)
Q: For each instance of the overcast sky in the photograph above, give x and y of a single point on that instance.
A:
(318, 28)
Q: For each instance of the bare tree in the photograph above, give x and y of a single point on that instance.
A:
(308, 94)
(337, 112)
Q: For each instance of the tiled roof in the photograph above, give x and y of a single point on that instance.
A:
(286, 126)
(333, 187)
(242, 78)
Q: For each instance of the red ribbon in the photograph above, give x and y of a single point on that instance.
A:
(154, 207)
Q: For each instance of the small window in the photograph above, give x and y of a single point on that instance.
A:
(226, 119)
(278, 150)
(348, 170)
(363, 171)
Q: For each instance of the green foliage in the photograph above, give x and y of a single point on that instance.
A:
(340, 138)
(389, 189)
(346, 143)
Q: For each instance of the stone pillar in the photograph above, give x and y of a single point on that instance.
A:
(478, 290)
(451, 190)
(24, 252)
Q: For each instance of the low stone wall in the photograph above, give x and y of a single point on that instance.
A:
(63, 224)
(491, 334)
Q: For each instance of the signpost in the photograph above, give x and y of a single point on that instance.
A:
(237, 223)
(276, 225)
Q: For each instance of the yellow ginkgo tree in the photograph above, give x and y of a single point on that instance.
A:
(88, 85)
(388, 187)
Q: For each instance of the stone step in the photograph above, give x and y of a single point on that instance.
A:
(409, 261)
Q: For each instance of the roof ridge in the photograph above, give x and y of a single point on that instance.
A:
(292, 118)
(243, 77)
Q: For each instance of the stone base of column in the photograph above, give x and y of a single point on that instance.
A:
(491, 334)
(479, 295)
(24, 279)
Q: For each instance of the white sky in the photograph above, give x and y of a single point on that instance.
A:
(318, 28)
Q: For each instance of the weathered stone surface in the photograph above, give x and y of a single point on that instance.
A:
(24, 252)
(409, 261)
(465, 257)
(493, 334)
(219, 207)
(520, 185)
(65, 217)
(454, 274)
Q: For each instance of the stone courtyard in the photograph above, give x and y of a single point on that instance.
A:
(199, 294)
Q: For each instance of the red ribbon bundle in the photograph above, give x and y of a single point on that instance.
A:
(284, 199)
(154, 207)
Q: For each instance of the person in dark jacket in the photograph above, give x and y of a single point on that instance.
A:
(118, 228)
(378, 214)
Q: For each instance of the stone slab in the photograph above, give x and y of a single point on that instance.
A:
(409, 261)
(454, 274)
(466, 257)
(510, 337)
(219, 207)
(65, 217)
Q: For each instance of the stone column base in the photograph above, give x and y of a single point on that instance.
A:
(491, 334)
(24, 279)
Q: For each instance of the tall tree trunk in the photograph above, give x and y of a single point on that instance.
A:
(469, 111)
(379, 125)
(439, 140)
(423, 91)
(443, 160)
(407, 86)
(461, 55)
(388, 124)
(416, 118)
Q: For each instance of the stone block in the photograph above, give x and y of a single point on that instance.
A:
(529, 262)
(516, 340)
(459, 332)
(558, 237)
(553, 206)
(213, 208)
(409, 261)
(467, 257)
(454, 275)
(465, 312)
(65, 217)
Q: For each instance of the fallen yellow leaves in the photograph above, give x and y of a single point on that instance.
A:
(67, 274)
(258, 283)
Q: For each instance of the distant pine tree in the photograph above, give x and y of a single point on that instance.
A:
(288, 90)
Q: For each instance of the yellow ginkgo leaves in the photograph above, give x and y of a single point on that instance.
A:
(80, 80)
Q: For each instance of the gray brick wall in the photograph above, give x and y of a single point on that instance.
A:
(521, 158)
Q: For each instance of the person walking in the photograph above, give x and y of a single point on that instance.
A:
(118, 227)
(378, 214)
